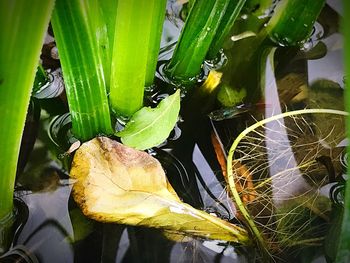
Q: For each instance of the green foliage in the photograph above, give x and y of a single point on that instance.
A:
(23, 26)
(136, 45)
(257, 7)
(40, 78)
(149, 127)
(73, 23)
(231, 13)
(196, 37)
(293, 21)
(158, 13)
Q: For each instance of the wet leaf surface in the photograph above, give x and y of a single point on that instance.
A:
(118, 184)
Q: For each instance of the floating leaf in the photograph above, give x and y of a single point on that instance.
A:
(115, 183)
(149, 127)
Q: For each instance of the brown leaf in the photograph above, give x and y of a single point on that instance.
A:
(118, 184)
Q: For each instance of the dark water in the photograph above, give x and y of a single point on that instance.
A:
(51, 228)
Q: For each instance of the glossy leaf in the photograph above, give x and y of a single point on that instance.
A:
(82, 66)
(115, 183)
(138, 27)
(293, 21)
(149, 127)
(196, 37)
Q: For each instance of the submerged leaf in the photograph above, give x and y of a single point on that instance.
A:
(118, 184)
(149, 127)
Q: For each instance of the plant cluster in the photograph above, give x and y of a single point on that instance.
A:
(108, 52)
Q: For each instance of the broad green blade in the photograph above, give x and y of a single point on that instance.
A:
(293, 21)
(22, 29)
(82, 67)
(195, 39)
(135, 49)
(109, 13)
(231, 13)
(154, 45)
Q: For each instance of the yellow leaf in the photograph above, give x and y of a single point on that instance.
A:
(115, 183)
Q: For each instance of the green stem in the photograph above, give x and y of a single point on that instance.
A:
(155, 37)
(98, 27)
(131, 50)
(82, 68)
(107, 25)
(293, 21)
(226, 24)
(22, 28)
(195, 39)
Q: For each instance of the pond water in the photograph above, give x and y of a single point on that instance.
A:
(51, 228)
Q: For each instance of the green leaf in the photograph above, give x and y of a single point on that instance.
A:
(293, 21)
(75, 24)
(23, 26)
(118, 184)
(149, 127)
(196, 37)
(136, 44)
(231, 13)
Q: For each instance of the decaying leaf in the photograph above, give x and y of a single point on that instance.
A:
(115, 183)
(243, 180)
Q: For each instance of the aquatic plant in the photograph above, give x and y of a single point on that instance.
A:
(23, 25)
(206, 27)
(75, 27)
(138, 28)
(108, 58)
(282, 159)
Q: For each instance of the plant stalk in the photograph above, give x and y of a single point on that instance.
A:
(226, 24)
(293, 21)
(82, 67)
(135, 48)
(196, 37)
(23, 25)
